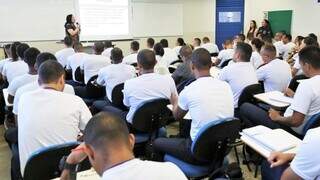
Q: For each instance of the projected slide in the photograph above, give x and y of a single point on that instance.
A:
(103, 19)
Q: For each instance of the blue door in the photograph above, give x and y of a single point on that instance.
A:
(229, 19)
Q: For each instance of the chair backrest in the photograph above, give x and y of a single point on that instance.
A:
(117, 97)
(172, 69)
(294, 82)
(134, 64)
(176, 62)
(214, 54)
(151, 115)
(213, 141)
(94, 91)
(78, 75)
(313, 122)
(225, 63)
(44, 164)
(247, 95)
(184, 83)
(68, 75)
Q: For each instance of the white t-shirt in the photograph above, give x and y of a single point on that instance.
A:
(287, 49)
(256, 59)
(212, 48)
(44, 120)
(162, 65)
(278, 45)
(107, 52)
(170, 55)
(207, 99)
(31, 87)
(177, 49)
(146, 87)
(63, 54)
(74, 61)
(141, 170)
(92, 65)
(306, 100)
(2, 62)
(130, 59)
(13, 69)
(297, 65)
(113, 75)
(238, 75)
(21, 81)
(225, 54)
(276, 75)
(306, 162)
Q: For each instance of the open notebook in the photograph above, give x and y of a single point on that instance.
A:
(274, 98)
(265, 140)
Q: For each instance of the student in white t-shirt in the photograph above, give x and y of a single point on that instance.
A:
(196, 43)
(162, 61)
(207, 99)
(92, 63)
(43, 119)
(225, 54)
(15, 66)
(305, 164)
(150, 43)
(307, 41)
(109, 146)
(74, 61)
(278, 43)
(65, 53)
(212, 48)
(169, 54)
(31, 86)
(113, 75)
(276, 73)
(240, 74)
(179, 43)
(2, 62)
(132, 57)
(108, 46)
(288, 46)
(306, 100)
(256, 59)
(147, 86)
(30, 56)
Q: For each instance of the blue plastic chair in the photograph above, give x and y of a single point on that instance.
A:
(44, 164)
(212, 144)
(313, 122)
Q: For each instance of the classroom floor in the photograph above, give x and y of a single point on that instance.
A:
(5, 156)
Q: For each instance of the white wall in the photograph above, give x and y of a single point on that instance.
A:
(305, 18)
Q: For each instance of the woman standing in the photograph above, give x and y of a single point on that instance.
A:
(265, 32)
(252, 33)
(72, 28)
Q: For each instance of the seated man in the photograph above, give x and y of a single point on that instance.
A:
(147, 86)
(276, 73)
(212, 48)
(74, 61)
(108, 46)
(240, 74)
(150, 43)
(225, 54)
(305, 164)
(47, 116)
(63, 55)
(132, 58)
(112, 75)
(169, 54)
(196, 43)
(207, 99)
(109, 146)
(306, 101)
(288, 46)
(183, 71)
(30, 56)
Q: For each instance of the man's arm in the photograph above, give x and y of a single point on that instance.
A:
(289, 174)
(292, 121)
(177, 112)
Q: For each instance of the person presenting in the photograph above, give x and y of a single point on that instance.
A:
(72, 28)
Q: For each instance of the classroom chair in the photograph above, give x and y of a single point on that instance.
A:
(78, 75)
(149, 121)
(91, 92)
(44, 164)
(117, 97)
(225, 63)
(214, 54)
(68, 74)
(294, 82)
(313, 122)
(176, 62)
(211, 145)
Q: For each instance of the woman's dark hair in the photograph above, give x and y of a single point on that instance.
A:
(257, 43)
(255, 25)
(267, 22)
(13, 49)
(7, 49)
(68, 19)
(181, 42)
(309, 41)
(158, 49)
(299, 39)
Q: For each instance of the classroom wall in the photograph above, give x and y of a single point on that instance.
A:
(198, 21)
(305, 18)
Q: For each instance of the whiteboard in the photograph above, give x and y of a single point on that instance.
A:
(157, 19)
(43, 20)
(33, 20)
